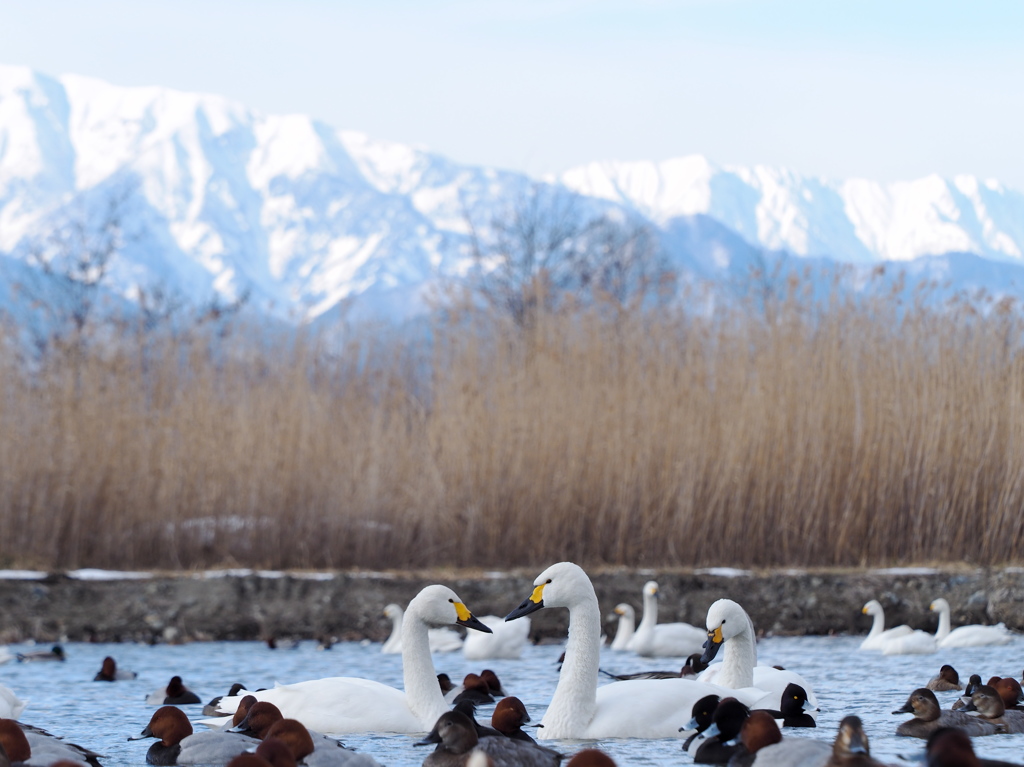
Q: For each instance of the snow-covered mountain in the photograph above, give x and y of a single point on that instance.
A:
(217, 199)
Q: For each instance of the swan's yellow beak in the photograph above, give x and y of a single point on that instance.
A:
(618, 611)
(715, 639)
(466, 618)
(864, 609)
(531, 604)
(932, 607)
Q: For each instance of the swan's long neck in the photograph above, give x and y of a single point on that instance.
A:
(575, 700)
(627, 625)
(396, 627)
(650, 619)
(422, 692)
(944, 624)
(739, 659)
(877, 624)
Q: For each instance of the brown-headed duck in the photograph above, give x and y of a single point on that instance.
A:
(947, 679)
(929, 717)
(177, 744)
(456, 739)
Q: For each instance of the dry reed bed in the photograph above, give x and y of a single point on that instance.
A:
(849, 435)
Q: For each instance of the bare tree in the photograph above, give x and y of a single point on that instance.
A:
(549, 246)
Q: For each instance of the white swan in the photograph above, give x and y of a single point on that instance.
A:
(11, 705)
(441, 639)
(915, 643)
(729, 625)
(506, 640)
(653, 639)
(879, 635)
(642, 708)
(349, 704)
(626, 627)
(966, 636)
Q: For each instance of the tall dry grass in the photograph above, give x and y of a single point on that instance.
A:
(855, 432)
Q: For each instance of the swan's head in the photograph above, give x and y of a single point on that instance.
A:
(874, 607)
(651, 589)
(625, 611)
(392, 611)
(440, 606)
(726, 619)
(561, 585)
(940, 605)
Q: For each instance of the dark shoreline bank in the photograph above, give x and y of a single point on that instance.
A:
(235, 605)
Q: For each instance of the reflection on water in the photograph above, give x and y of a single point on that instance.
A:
(101, 716)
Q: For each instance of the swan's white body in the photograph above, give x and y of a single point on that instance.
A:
(11, 705)
(643, 708)
(879, 635)
(441, 639)
(652, 639)
(506, 640)
(967, 636)
(738, 670)
(916, 642)
(626, 627)
(348, 704)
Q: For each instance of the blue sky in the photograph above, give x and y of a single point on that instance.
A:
(886, 90)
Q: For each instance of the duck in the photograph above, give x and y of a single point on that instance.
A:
(109, 672)
(11, 706)
(474, 689)
(758, 731)
(729, 625)
(493, 683)
(442, 639)
(351, 704)
(794, 707)
(721, 738)
(506, 640)
(950, 747)
(456, 739)
(269, 753)
(849, 749)
(653, 639)
(966, 636)
(210, 709)
(639, 708)
(1010, 691)
(703, 714)
(177, 744)
(928, 717)
(989, 704)
(508, 718)
(946, 680)
(591, 757)
(626, 626)
(174, 694)
(55, 653)
(972, 684)
(33, 747)
(469, 709)
(879, 635)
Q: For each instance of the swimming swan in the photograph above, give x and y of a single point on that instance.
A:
(626, 626)
(728, 624)
(658, 640)
(350, 704)
(966, 636)
(642, 708)
(441, 639)
(879, 635)
(506, 640)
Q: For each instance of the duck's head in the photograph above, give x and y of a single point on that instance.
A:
(509, 715)
(455, 730)
(794, 700)
(262, 715)
(493, 683)
(728, 720)
(949, 674)
(950, 747)
(169, 725)
(758, 731)
(987, 702)
(939, 605)
(561, 585)
(1010, 691)
(923, 704)
(14, 742)
(294, 735)
(440, 606)
(703, 713)
(726, 619)
(851, 741)
(276, 752)
(972, 684)
(243, 708)
(591, 757)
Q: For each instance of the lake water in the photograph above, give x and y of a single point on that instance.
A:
(64, 700)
